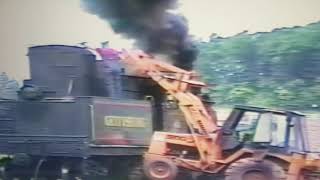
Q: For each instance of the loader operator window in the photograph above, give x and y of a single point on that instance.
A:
(271, 130)
(246, 126)
(296, 138)
(278, 130)
(266, 128)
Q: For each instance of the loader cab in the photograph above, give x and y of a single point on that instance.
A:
(279, 131)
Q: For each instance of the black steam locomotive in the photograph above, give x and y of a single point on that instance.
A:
(79, 116)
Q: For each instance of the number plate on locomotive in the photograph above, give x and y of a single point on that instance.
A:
(121, 121)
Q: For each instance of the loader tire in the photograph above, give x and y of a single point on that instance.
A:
(251, 169)
(160, 169)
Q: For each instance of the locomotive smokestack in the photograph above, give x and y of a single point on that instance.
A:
(150, 22)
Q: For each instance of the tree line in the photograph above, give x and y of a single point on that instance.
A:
(275, 69)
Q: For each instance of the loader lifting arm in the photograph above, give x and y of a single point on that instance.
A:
(180, 84)
(201, 149)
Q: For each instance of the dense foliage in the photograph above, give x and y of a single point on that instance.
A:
(8, 88)
(276, 69)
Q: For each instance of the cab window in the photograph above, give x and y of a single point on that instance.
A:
(278, 130)
(296, 139)
(271, 130)
(246, 126)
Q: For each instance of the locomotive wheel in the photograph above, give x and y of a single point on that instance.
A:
(19, 172)
(19, 167)
(160, 169)
(251, 169)
(136, 172)
(93, 169)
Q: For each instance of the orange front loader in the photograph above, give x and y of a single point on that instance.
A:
(202, 150)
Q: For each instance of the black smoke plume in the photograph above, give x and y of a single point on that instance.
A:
(150, 22)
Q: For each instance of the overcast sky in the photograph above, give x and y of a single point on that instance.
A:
(34, 22)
